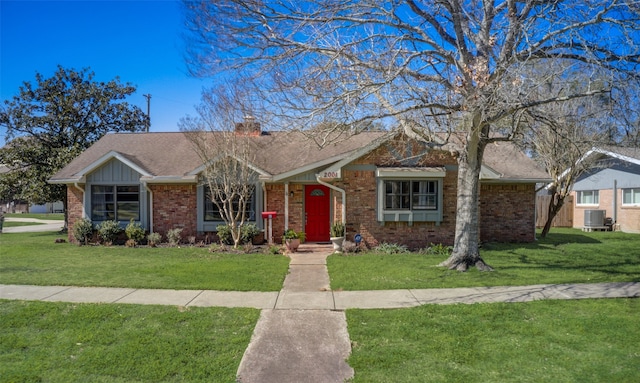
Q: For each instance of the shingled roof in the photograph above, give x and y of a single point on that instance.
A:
(170, 155)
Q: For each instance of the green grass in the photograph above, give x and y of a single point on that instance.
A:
(565, 256)
(51, 216)
(64, 342)
(544, 341)
(34, 258)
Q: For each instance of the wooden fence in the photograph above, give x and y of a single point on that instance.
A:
(564, 218)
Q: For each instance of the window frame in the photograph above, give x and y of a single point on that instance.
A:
(401, 194)
(635, 197)
(115, 204)
(406, 210)
(580, 197)
(207, 202)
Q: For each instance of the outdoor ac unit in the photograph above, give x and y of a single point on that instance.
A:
(594, 218)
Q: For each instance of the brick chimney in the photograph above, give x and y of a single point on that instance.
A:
(249, 127)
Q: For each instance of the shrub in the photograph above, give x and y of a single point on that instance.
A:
(135, 232)
(438, 249)
(224, 234)
(154, 239)
(108, 231)
(274, 250)
(248, 231)
(83, 231)
(391, 248)
(174, 236)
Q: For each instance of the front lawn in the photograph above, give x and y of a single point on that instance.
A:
(34, 259)
(543, 341)
(65, 342)
(565, 256)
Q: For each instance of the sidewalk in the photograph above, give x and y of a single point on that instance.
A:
(42, 225)
(320, 300)
(302, 331)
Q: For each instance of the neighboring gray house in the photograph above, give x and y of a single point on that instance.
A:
(611, 188)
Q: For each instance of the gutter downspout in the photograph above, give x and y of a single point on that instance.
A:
(344, 197)
(146, 186)
(614, 214)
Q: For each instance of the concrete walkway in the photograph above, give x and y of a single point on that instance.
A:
(302, 331)
(301, 339)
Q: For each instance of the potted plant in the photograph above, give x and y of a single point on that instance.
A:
(291, 240)
(337, 235)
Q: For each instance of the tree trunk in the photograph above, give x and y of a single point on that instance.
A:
(555, 204)
(466, 252)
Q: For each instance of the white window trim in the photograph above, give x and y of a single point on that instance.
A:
(579, 194)
(633, 204)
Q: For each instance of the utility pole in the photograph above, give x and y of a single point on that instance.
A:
(148, 97)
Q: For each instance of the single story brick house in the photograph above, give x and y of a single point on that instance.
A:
(611, 187)
(385, 188)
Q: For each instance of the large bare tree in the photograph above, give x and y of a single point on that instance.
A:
(450, 65)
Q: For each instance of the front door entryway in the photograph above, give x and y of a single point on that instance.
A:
(317, 211)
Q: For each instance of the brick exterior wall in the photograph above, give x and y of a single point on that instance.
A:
(74, 209)
(361, 188)
(275, 202)
(175, 206)
(627, 217)
(507, 212)
(296, 208)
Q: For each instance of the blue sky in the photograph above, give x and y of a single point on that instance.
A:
(139, 41)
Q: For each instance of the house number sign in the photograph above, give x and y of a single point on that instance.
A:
(331, 174)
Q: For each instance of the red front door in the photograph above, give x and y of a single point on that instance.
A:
(317, 212)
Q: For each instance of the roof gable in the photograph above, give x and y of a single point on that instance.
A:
(112, 155)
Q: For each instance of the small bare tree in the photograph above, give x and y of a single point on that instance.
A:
(559, 134)
(225, 148)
